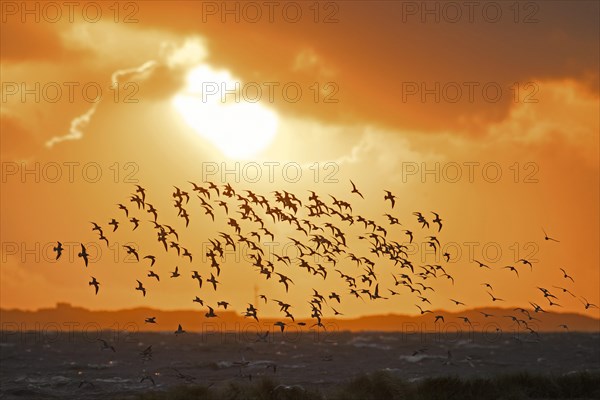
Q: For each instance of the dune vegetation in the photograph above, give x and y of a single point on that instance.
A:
(382, 385)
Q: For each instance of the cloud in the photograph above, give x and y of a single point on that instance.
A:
(192, 52)
(309, 61)
(565, 115)
(81, 121)
(75, 131)
(171, 55)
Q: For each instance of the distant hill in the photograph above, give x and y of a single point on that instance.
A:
(66, 317)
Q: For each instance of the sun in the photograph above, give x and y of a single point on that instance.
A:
(240, 129)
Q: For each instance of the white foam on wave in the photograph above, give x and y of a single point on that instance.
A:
(420, 357)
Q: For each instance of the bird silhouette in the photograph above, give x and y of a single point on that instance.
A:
(83, 254)
(179, 330)
(141, 288)
(95, 283)
(197, 276)
(58, 249)
(437, 220)
(510, 267)
(354, 190)
(136, 223)
(210, 313)
(114, 223)
(546, 237)
(389, 196)
(567, 276)
(587, 304)
(122, 207)
(223, 304)
(106, 345)
(151, 258)
(152, 274)
(494, 298)
(133, 251)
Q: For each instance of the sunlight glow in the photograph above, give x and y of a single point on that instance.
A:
(239, 128)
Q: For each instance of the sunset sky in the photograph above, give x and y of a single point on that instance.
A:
(504, 107)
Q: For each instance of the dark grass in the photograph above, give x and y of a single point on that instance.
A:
(383, 386)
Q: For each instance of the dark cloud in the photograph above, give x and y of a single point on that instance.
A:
(379, 52)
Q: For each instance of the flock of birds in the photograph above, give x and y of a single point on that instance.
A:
(320, 234)
(322, 248)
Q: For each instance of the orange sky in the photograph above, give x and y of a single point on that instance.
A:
(366, 123)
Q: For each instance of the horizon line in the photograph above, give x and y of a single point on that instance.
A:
(344, 318)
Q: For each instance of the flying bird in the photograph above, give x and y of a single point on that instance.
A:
(114, 223)
(389, 196)
(58, 249)
(354, 190)
(136, 223)
(152, 274)
(106, 346)
(213, 281)
(421, 219)
(494, 298)
(141, 191)
(546, 237)
(179, 330)
(423, 311)
(510, 267)
(197, 276)
(566, 276)
(96, 227)
(131, 250)
(281, 324)
(526, 262)
(198, 300)
(210, 313)
(223, 304)
(152, 260)
(458, 303)
(122, 207)
(284, 279)
(565, 290)
(102, 237)
(83, 254)
(141, 288)
(437, 220)
(95, 283)
(587, 304)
